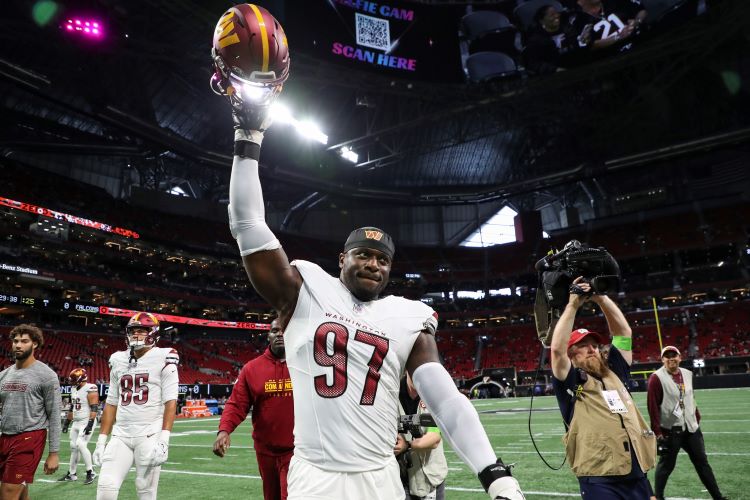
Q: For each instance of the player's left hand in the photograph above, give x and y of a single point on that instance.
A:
(51, 464)
(160, 452)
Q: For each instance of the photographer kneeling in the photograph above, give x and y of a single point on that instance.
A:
(419, 451)
(609, 445)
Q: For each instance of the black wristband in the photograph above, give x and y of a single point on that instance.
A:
(493, 472)
(247, 149)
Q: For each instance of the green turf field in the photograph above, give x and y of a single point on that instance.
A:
(193, 472)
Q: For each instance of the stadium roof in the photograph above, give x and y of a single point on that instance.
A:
(669, 115)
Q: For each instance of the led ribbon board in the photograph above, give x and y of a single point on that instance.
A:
(72, 219)
(210, 323)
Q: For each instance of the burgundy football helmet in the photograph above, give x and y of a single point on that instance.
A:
(250, 55)
(78, 376)
(142, 321)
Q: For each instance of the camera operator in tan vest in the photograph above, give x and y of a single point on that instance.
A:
(424, 466)
(674, 420)
(608, 444)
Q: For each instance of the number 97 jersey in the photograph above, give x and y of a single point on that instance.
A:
(346, 358)
(140, 390)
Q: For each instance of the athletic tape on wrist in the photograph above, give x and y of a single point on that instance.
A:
(246, 149)
(623, 343)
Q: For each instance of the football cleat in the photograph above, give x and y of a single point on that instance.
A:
(90, 476)
(68, 477)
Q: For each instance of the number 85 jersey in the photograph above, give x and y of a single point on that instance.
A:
(140, 390)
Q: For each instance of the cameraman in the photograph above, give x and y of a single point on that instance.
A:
(608, 444)
(422, 459)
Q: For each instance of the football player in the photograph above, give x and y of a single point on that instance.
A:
(84, 403)
(142, 404)
(346, 346)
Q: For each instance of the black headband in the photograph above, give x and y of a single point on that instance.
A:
(370, 237)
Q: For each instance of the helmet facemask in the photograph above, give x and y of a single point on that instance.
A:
(142, 331)
(260, 89)
(148, 336)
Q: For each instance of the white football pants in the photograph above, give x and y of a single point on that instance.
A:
(119, 456)
(308, 482)
(80, 447)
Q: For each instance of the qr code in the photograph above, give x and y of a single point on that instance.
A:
(373, 32)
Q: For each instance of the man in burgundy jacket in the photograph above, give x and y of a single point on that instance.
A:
(264, 385)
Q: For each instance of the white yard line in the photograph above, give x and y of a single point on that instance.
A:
(208, 446)
(452, 488)
(193, 473)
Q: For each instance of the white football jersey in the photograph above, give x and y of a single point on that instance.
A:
(140, 389)
(79, 401)
(346, 358)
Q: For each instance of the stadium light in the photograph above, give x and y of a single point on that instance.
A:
(349, 155)
(85, 27)
(311, 130)
(307, 128)
(281, 113)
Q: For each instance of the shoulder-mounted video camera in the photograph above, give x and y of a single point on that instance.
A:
(415, 424)
(557, 270)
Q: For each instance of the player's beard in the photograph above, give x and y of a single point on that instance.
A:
(23, 354)
(595, 365)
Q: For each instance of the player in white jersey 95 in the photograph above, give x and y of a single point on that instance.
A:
(139, 412)
(346, 346)
(84, 403)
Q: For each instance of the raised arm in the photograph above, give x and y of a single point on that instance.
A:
(560, 336)
(265, 261)
(622, 334)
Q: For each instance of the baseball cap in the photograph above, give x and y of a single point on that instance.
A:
(370, 237)
(578, 335)
(670, 348)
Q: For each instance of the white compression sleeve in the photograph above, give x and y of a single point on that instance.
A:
(247, 214)
(455, 415)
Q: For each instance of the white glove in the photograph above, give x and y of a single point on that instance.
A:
(160, 453)
(101, 444)
(505, 488)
